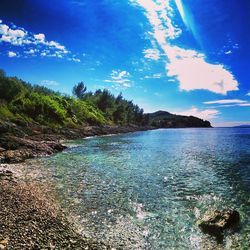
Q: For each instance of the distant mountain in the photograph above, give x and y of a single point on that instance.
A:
(243, 126)
(164, 119)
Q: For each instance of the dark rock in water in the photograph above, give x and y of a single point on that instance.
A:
(216, 223)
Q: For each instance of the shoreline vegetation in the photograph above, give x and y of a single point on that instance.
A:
(34, 121)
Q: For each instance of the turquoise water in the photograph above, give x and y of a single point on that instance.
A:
(146, 190)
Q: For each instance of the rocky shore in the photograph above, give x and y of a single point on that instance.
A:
(31, 218)
(30, 215)
(22, 141)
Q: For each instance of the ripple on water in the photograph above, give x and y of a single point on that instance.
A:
(146, 190)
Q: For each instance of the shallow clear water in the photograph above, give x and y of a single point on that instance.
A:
(146, 190)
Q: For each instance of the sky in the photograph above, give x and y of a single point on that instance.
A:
(187, 57)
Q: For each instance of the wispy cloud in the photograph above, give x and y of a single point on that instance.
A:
(189, 67)
(154, 76)
(158, 94)
(32, 44)
(248, 94)
(206, 114)
(120, 79)
(228, 52)
(244, 104)
(229, 103)
(12, 54)
(152, 54)
(79, 3)
(226, 101)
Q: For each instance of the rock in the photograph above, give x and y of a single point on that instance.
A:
(5, 172)
(216, 223)
(2, 149)
(15, 156)
(3, 243)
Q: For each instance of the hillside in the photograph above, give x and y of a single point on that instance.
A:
(24, 103)
(21, 102)
(164, 119)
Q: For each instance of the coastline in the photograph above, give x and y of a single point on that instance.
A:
(31, 215)
(18, 142)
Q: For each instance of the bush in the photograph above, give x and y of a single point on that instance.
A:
(10, 88)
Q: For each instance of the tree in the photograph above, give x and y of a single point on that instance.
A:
(119, 114)
(79, 90)
(105, 100)
(10, 88)
(2, 73)
(119, 98)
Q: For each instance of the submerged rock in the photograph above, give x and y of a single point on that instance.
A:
(216, 222)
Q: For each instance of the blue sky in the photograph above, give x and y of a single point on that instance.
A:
(185, 56)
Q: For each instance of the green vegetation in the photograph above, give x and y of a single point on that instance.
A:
(163, 119)
(21, 101)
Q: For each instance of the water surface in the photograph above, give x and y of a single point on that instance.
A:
(146, 190)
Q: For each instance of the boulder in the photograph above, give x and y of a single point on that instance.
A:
(15, 156)
(217, 222)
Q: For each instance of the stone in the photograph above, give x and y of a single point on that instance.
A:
(217, 222)
(3, 243)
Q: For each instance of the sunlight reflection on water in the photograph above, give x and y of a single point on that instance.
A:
(145, 190)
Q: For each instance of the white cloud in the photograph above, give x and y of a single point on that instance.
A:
(248, 94)
(39, 37)
(49, 83)
(206, 114)
(33, 42)
(4, 29)
(30, 52)
(188, 66)
(154, 76)
(229, 103)
(193, 72)
(76, 60)
(58, 46)
(43, 54)
(244, 104)
(159, 14)
(13, 36)
(120, 78)
(226, 101)
(12, 54)
(235, 105)
(228, 52)
(16, 33)
(158, 94)
(152, 54)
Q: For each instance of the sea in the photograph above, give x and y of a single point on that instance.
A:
(148, 190)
